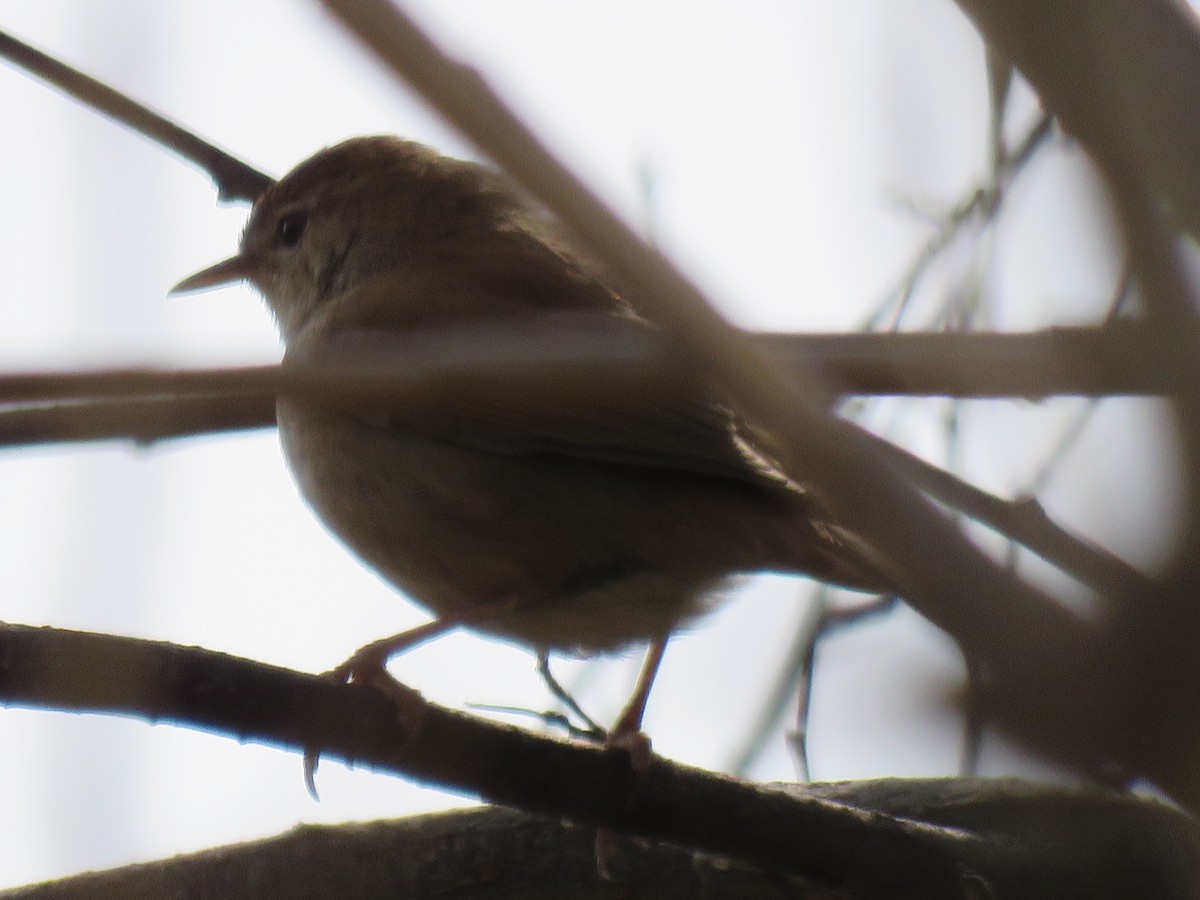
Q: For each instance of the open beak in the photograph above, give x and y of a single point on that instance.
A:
(236, 268)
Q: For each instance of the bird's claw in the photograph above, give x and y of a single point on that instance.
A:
(368, 666)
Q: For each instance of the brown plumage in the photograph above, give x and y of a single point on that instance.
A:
(602, 522)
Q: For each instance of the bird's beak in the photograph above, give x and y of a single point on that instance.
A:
(236, 268)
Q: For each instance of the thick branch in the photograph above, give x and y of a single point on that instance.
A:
(249, 701)
(1100, 846)
(497, 854)
(879, 849)
(1122, 77)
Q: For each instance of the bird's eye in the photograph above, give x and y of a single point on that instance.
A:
(290, 229)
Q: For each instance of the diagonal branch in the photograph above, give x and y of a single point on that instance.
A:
(891, 839)
(235, 180)
(1025, 521)
(44, 668)
(1121, 77)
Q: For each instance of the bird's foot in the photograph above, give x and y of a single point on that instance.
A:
(626, 733)
(590, 731)
(410, 709)
(368, 665)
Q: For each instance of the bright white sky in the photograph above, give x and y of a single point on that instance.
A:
(779, 134)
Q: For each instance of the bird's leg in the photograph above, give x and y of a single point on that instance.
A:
(591, 730)
(627, 730)
(369, 662)
(627, 734)
(368, 665)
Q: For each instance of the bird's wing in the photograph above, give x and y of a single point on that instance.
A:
(595, 386)
(604, 385)
(655, 430)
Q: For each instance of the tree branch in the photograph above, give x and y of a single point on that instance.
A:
(918, 839)
(1024, 520)
(1114, 360)
(1098, 846)
(1081, 55)
(143, 421)
(253, 702)
(1123, 78)
(235, 180)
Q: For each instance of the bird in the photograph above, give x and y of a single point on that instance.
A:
(580, 527)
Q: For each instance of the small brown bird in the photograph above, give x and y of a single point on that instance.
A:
(580, 528)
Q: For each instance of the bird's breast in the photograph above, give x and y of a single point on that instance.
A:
(456, 528)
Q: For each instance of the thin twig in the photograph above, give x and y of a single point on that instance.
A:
(235, 180)
(1075, 428)
(143, 421)
(550, 719)
(1025, 521)
(1001, 75)
(975, 720)
(795, 678)
(979, 208)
